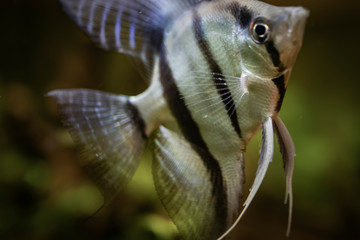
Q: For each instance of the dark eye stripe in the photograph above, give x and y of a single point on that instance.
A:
(280, 84)
(242, 14)
(274, 55)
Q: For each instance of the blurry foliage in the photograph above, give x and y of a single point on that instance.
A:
(44, 193)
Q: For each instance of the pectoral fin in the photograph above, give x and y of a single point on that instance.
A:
(287, 149)
(184, 186)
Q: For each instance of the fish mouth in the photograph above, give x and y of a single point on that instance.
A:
(298, 19)
(294, 34)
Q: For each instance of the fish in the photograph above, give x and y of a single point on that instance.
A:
(218, 71)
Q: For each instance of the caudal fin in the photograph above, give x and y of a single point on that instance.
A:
(109, 132)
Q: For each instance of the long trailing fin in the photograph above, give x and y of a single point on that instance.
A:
(266, 154)
(287, 149)
(133, 27)
(109, 132)
(184, 186)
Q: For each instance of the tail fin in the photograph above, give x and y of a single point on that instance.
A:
(109, 131)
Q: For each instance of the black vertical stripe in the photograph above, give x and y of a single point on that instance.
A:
(242, 14)
(218, 78)
(280, 84)
(136, 118)
(192, 134)
(279, 81)
(274, 55)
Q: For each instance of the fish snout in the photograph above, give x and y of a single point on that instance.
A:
(293, 26)
(298, 17)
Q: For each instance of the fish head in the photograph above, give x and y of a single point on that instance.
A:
(272, 40)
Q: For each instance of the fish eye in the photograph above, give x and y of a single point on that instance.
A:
(260, 30)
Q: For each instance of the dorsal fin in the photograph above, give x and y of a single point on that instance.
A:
(133, 27)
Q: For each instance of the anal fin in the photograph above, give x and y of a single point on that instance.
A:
(184, 186)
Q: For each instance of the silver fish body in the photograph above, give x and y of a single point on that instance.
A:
(219, 73)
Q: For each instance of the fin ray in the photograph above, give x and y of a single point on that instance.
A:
(287, 149)
(133, 27)
(184, 187)
(266, 154)
(105, 128)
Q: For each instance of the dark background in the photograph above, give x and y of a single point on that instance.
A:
(44, 193)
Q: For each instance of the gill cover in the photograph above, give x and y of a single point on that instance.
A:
(271, 43)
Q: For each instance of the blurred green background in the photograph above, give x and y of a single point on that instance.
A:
(45, 194)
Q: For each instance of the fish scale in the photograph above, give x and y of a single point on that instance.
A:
(219, 74)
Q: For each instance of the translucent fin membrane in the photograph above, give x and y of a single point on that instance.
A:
(266, 154)
(133, 27)
(105, 129)
(184, 187)
(287, 149)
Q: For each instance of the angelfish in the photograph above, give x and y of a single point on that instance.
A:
(218, 73)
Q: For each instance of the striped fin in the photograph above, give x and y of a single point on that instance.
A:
(266, 154)
(287, 148)
(184, 185)
(133, 27)
(109, 132)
